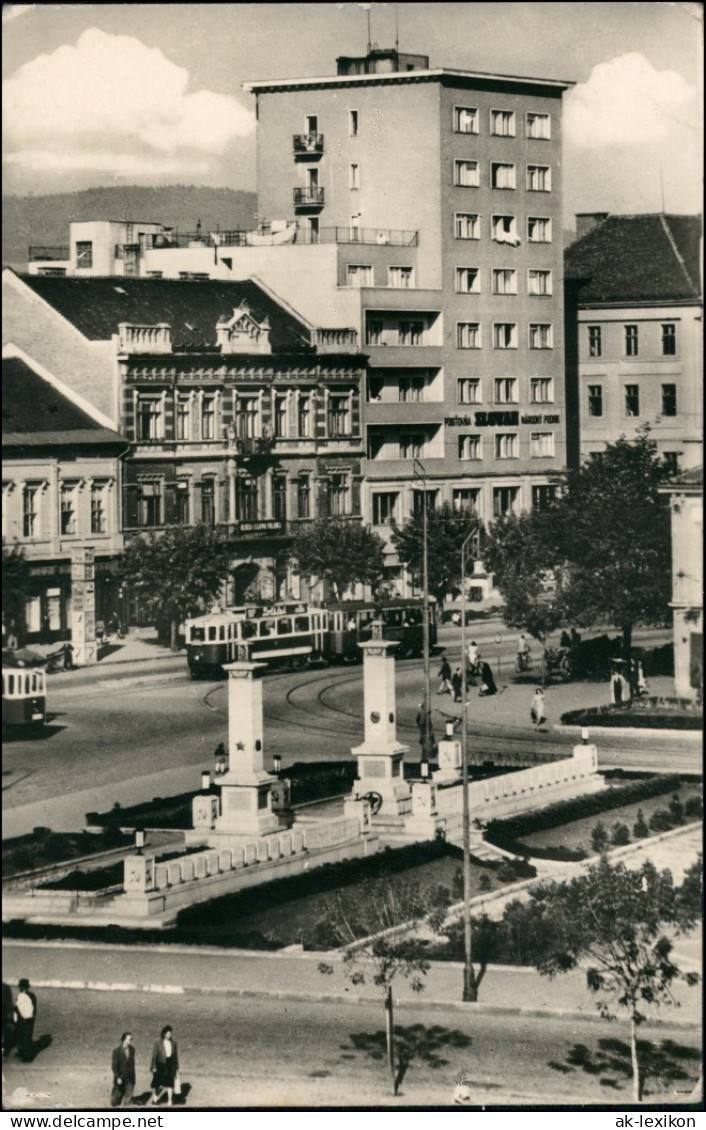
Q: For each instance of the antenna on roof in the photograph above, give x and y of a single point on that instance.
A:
(366, 8)
(397, 28)
(661, 187)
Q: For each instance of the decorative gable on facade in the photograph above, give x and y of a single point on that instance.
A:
(242, 333)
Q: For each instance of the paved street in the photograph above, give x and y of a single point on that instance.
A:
(274, 1052)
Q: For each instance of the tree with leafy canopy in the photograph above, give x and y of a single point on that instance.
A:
(611, 921)
(379, 929)
(342, 553)
(176, 573)
(447, 529)
(518, 552)
(15, 587)
(611, 528)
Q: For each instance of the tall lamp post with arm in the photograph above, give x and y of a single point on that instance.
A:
(470, 986)
(419, 472)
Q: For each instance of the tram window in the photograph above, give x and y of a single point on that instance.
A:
(301, 624)
(212, 633)
(268, 627)
(248, 630)
(197, 635)
(10, 684)
(26, 683)
(284, 626)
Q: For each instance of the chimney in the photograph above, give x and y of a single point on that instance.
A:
(587, 221)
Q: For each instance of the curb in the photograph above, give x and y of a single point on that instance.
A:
(479, 1009)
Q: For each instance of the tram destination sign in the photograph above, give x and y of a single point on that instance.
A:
(499, 420)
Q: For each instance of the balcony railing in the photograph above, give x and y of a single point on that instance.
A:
(308, 197)
(308, 144)
(50, 254)
(335, 340)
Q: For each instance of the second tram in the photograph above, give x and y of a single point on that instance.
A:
(24, 696)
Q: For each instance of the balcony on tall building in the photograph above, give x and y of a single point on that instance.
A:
(312, 197)
(308, 144)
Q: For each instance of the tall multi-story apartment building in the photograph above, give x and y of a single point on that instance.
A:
(634, 309)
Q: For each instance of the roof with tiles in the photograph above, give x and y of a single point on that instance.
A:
(192, 307)
(34, 413)
(650, 258)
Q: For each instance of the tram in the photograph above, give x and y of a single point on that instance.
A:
(292, 633)
(24, 698)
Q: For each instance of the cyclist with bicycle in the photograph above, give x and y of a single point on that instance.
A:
(523, 654)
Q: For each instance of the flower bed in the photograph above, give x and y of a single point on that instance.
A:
(655, 713)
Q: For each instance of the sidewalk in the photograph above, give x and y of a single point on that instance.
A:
(139, 646)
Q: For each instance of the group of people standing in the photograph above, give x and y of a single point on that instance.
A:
(164, 1068)
(451, 682)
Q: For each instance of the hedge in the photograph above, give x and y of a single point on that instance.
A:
(652, 713)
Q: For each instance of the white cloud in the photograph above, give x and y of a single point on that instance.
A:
(112, 91)
(628, 102)
(101, 161)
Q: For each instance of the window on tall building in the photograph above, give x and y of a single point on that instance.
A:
(505, 500)
(353, 123)
(502, 123)
(469, 390)
(339, 414)
(247, 417)
(149, 418)
(467, 280)
(246, 499)
(150, 511)
(304, 416)
(98, 507)
(541, 444)
(595, 341)
(539, 178)
(411, 446)
(420, 498)
(595, 400)
(410, 389)
(359, 274)
(303, 497)
(504, 229)
(466, 498)
(505, 390)
(30, 511)
(465, 119)
(468, 335)
(539, 229)
(68, 508)
(539, 282)
(541, 390)
(402, 278)
(506, 445)
(182, 422)
(502, 175)
(466, 225)
(373, 331)
(208, 417)
(279, 497)
(411, 333)
(669, 400)
(208, 501)
(671, 462)
(385, 508)
(540, 335)
(505, 335)
(631, 341)
(669, 339)
(339, 495)
(280, 417)
(504, 281)
(84, 253)
(632, 400)
(539, 126)
(354, 175)
(466, 174)
(543, 494)
(182, 503)
(469, 447)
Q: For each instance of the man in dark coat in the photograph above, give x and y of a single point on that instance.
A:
(25, 1016)
(123, 1068)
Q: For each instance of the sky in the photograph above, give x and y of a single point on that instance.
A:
(113, 94)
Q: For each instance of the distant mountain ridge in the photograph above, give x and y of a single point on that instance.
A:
(45, 220)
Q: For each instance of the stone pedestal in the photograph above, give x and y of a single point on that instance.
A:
(204, 811)
(138, 873)
(357, 808)
(246, 789)
(449, 757)
(380, 756)
(424, 818)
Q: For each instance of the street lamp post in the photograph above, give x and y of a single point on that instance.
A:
(470, 987)
(419, 472)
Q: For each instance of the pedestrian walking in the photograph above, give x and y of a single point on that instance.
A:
(487, 684)
(457, 684)
(123, 1068)
(68, 657)
(221, 760)
(45, 635)
(113, 624)
(523, 654)
(165, 1067)
(537, 709)
(24, 1016)
(445, 676)
(473, 657)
